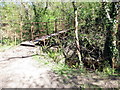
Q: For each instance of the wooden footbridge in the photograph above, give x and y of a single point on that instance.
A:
(44, 38)
(35, 32)
(59, 30)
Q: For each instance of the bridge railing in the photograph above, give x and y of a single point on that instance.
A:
(38, 29)
(23, 31)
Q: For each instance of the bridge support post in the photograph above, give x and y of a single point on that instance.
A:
(55, 26)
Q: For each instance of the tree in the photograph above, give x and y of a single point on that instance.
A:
(76, 31)
(118, 32)
(109, 47)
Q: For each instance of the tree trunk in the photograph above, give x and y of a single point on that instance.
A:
(118, 33)
(110, 33)
(36, 13)
(76, 32)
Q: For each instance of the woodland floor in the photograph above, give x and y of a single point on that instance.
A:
(18, 69)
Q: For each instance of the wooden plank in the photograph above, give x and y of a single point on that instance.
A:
(43, 38)
(28, 43)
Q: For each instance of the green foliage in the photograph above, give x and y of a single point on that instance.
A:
(52, 54)
(108, 71)
(8, 41)
(56, 55)
(41, 60)
(93, 25)
(4, 47)
(64, 70)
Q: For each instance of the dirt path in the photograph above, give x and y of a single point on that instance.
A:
(19, 69)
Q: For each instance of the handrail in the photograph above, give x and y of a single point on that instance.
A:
(43, 38)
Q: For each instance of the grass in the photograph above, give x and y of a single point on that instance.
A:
(107, 71)
(4, 47)
(8, 44)
(67, 73)
(42, 60)
(58, 68)
(63, 69)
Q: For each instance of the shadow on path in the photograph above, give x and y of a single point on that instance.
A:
(19, 57)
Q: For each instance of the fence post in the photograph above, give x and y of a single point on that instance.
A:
(32, 32)
(1, 37)
(15, 38)
(55, 26)
(47, 32)
(21, 31)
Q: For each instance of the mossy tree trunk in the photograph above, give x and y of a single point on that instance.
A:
(118, 33)
(110, 32)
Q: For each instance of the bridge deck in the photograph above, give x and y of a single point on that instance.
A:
(43, 38)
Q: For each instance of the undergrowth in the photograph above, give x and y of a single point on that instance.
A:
(41, 60)
(7, 43)
(108, 71)
(63, 69)
(59, 68)
(4, 47)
